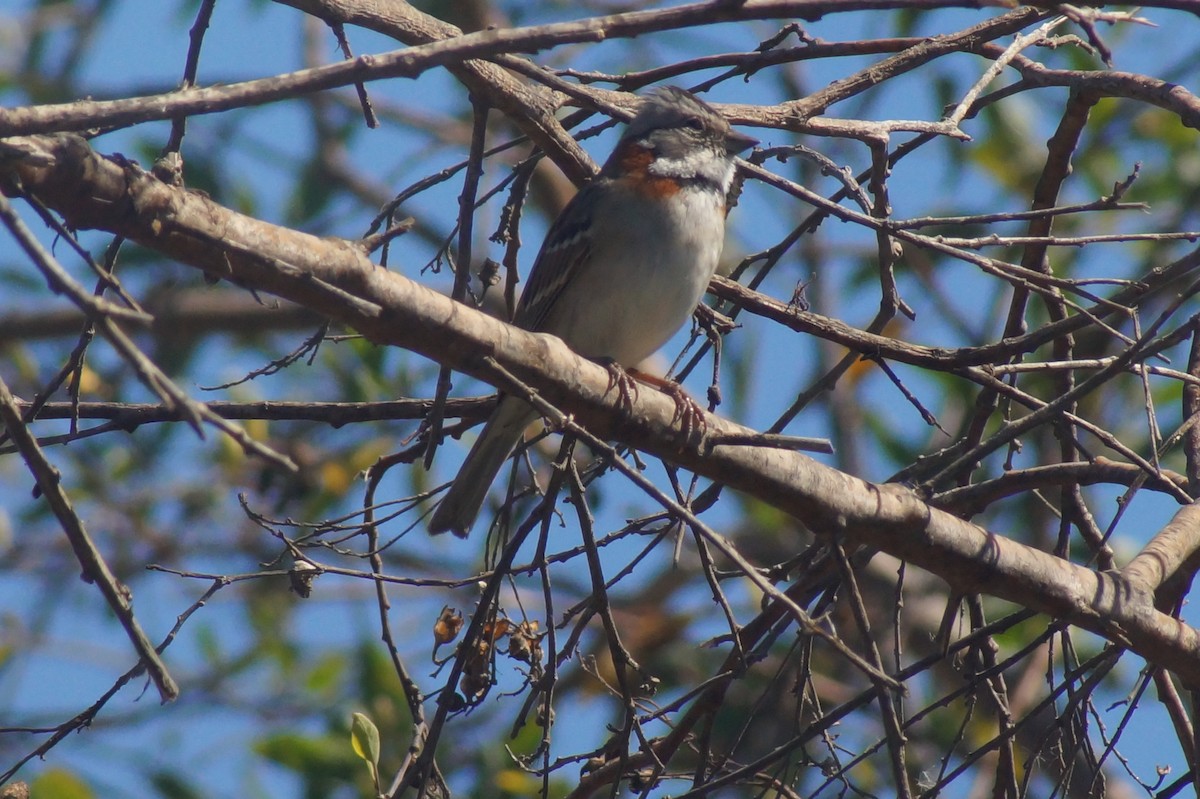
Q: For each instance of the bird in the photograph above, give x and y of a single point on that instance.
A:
(621, 268)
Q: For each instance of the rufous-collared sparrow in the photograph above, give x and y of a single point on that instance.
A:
(623, 266)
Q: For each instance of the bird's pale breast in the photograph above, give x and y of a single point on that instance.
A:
(650, 265)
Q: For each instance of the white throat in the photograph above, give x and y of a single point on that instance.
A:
(697, 165)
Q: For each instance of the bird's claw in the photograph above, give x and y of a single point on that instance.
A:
(621, 380)
(687, 411)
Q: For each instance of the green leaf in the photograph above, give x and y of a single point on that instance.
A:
(58, 783)
(172, 785)
(364, 738)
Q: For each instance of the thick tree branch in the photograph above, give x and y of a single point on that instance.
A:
(336, 279)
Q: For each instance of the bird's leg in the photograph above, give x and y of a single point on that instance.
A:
(687, 410)
(620, 379)
(690, 412)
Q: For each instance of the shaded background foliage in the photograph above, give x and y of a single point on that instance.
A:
(269, 680)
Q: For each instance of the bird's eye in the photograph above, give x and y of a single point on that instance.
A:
(694, 123)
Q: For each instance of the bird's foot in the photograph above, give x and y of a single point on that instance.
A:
(687, 410)
(621, 380)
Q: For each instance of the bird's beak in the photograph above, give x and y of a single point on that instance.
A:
(737, 142)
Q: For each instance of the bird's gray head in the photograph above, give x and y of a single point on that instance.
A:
(686, 137)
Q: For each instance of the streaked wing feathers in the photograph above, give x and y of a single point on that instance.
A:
(568, 244)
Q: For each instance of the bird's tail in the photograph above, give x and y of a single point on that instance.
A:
(462, 502)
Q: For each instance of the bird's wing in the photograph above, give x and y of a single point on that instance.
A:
(569, 243)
